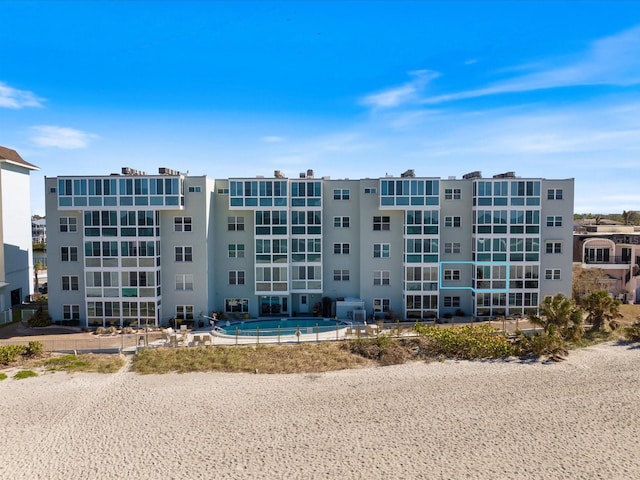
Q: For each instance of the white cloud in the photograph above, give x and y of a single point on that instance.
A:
(272, 139)
(13, 98)
(407, 93)
(613, 60)
(60, 137)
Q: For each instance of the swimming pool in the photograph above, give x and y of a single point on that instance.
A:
(280, 326)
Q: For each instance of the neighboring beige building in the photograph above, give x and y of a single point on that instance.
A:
(614, 249)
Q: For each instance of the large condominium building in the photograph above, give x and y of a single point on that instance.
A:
(133, 248)
(16, 258)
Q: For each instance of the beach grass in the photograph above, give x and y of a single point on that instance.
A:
(302, 358)
(90, 362)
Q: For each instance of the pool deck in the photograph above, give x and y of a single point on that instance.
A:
(207, 336)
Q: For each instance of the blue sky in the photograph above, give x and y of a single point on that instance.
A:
(349, 89)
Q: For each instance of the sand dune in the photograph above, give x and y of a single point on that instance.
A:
(495, 420)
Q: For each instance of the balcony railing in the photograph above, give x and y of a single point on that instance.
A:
(617, 259)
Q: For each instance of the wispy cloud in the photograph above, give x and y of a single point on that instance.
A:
(13, 98)
(272, 139)
(409, 92)
(613, 60)
(60, 137)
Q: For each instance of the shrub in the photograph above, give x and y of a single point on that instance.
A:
(3, 376)
(386, 350)
(40, 319)
(632, 332)
(33, 349)
(394, 355)
(11, 353)
(548, 345)
(466, 342)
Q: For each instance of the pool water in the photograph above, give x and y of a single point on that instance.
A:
(280, 326)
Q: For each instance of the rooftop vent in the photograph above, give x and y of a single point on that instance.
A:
(303, 175)
(310, 173)
(505, 175)
(132, 171)
(278, 174)
(408, 174)
(167, 171)
(472, 175)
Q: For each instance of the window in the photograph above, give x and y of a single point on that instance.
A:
(554, 194)
(370, 191)
(68, 224)
(235, 224)
(452, 222)
(452, 247)
(184, 254)
(69, 254)
(381, 223)
(236, 250)
(341, 275)
(184, 281)
(452, 274)
(341, 248)
(341, 222)
(452, 302)
(554, 221)
(553, 247)
(184, 312)
(182, 224)
(381, 277)
(70, 282)
(341, 194)
(452, 194)
(236, 305)
(381, 250)
(71, 312)
(194, 189)
(552, 274)
(236, 277)
(381, 305)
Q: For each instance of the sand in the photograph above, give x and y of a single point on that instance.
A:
(576, 419)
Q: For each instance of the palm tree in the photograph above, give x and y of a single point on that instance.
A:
(602, 310)
(37, 267)
(628, 217)
(561, 317)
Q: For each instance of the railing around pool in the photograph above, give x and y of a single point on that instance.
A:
(273, 333)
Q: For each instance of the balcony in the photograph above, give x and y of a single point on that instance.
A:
(606, 261)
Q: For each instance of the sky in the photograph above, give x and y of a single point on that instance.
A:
(357, 89)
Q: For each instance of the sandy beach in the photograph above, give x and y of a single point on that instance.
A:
(576, 419)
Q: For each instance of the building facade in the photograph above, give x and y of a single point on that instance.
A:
(16, 257)
(134, 248)
(615, 250)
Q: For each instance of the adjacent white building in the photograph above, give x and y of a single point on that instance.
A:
(16, 259)
(133, 248)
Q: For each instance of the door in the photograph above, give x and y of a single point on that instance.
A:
(304, 304)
